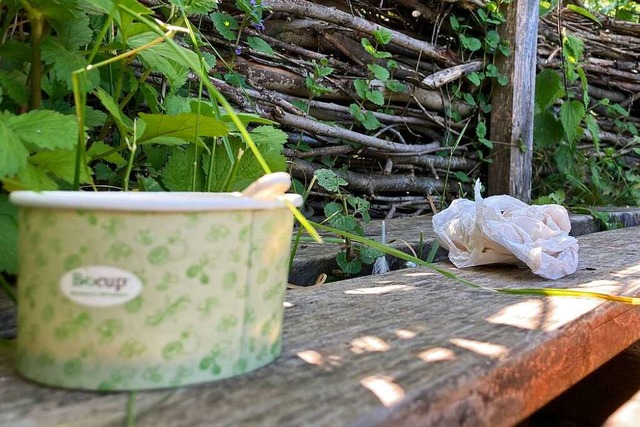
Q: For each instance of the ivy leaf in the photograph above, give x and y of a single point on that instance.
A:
(332, 209)
(380, 72)
(329, 180)
(548, 89)
(474, 78)
(45, 129)
(8, 236)
(344, 222)
(369, 255)
(225, 25)
(470, 43)
(376, 97)
(348, 266)
(462, 177)
(571, 114)
(395, 86)
(13, 154)
(455, 24)
(503, 79)
(362, 87)
(481, 130)
(382, 35)
(492, 39)
(182, 126)
(260, 45)
(381, 55)
(356, 112)
(360, 206)
(368, 47)
(370, 121)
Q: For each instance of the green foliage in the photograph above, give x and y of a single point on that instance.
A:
(125, 132)
(564, 110)
(345, 214)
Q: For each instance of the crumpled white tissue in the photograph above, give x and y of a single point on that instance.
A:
(502, 229)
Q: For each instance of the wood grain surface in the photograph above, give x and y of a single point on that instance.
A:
(406, 348)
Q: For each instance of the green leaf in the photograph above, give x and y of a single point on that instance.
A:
(182, 126)
(594, 130)
(395, 86)
(492, 39)
(455, 24)
(344, 222)
(196, 7)
(356, 112)
(380, 72)
(125, 125)
(35, 179)
(370, 121)
(481, 130)
(14, 83)
(45, 129)
(8, 236)
(99, 148)
(461, 176)
(368, 47)
(549, 89)
(382, 35)
(13, 154)
(584, 12)
(178, 173)
(474, 78)
(486, 142)
(360, 206)
(362, 87)
(470, 43)
(348, 267)
(564, 158)
(260, 45)
(64, 62)
(547, 130)
(162, 58)
(376, 97)
(381, 55)
(571, 114)
(369, 255)
(329, 180)
(332, 209)
(73, 33)
(225, 25)
(59, 163)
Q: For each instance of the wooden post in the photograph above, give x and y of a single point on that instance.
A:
(512, 114)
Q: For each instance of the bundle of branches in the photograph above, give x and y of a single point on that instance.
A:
(363, 87)
(605, 55)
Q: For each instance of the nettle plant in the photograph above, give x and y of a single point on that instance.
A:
(565, 115)
(100, 94)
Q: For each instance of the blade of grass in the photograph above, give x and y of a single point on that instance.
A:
(450, 275)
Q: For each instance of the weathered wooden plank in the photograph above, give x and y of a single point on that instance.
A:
(406, 348)
(512, 114)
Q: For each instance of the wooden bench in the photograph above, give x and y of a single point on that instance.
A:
(406, 348)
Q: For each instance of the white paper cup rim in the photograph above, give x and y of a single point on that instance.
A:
(149, 201)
